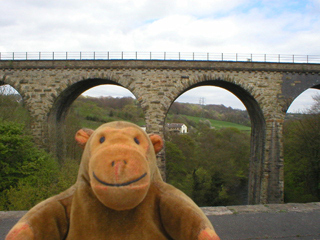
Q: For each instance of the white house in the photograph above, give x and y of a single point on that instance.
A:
(177, 127)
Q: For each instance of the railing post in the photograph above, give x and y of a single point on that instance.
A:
(39, 55)
(80, 56)
(136, 55)
(307, 58)
(179, 56)
(251, 57)
(193, 56)
(12, 55)
(265, 57)
(122, 55)
(66, 55)
(52, 55)
(221, 56)
(150, 56)
(94, 55)
(108, 56)
(0, 55)
(236, 57)
(164, 56)
(207, 56)
(279, 58)
(292, 58)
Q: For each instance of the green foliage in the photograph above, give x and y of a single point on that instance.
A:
(49, 180)
(33, 188)
(194, 121)
(215, 112)
(302, 159)
(92, 112)
(20, 160)
(12, 108)
(209, 165)
(27, 174)
(18, 157)
(176, 168)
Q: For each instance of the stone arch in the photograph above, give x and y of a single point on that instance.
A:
(258, 129)
(59, 110)
(294, 84)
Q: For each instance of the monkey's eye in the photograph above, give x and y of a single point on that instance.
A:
(136, 141)
(102, 139)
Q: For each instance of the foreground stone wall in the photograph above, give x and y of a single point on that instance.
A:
(266, 89)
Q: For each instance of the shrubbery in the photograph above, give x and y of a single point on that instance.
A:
(211, 166)
(302, 159)
(28, 174)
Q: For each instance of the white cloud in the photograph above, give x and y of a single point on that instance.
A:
(167, 25)
(108, 90)
(211, 95)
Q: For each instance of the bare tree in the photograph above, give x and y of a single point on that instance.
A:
(315, 108)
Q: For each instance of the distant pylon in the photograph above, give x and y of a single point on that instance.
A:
(202, 101)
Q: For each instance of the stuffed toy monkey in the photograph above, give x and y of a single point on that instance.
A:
(119, 195)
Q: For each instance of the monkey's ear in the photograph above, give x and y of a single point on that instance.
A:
(157, 142)
(82, 136)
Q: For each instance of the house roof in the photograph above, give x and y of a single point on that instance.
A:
(175, 125)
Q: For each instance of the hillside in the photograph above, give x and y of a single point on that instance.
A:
(94, 111)
(213, 112)
(217, 124)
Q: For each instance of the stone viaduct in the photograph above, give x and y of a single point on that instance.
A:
(49, 87)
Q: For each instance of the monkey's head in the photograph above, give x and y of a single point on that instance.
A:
(119, 163)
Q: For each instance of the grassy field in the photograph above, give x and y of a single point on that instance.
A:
(221, 124)
(214, 123)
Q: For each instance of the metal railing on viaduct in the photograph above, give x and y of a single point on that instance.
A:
(187, 56)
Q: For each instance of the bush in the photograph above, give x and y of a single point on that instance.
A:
(19, 158)
(49, 180)
(29, 175)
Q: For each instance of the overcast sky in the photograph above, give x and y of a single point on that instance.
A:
(215, 26)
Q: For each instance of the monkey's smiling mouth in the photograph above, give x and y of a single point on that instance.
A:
(119, 184)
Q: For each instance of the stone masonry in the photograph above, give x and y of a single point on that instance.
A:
(48, 88)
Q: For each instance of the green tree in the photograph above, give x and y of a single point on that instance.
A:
(302, 156)
(18, 157)
(302, 159)
(23, 164)
(216, 194)
(216, 164)
(200, 186)
(177, 173)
